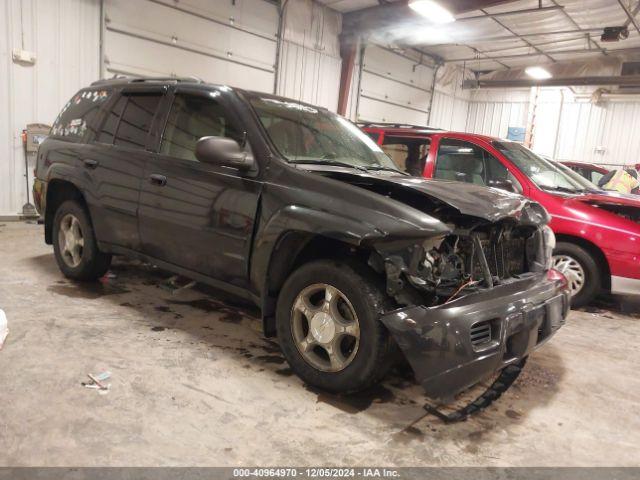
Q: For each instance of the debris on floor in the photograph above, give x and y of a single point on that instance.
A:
(176, 284)
(97, 382)
(4, 331)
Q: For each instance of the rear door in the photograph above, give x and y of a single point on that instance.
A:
(194, 215)
(115, 161)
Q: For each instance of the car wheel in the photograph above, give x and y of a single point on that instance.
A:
(74, 244)
(581, 270)
(327, 321)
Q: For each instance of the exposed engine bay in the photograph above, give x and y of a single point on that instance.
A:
(626, 211)
(467, 260)
(477, 253)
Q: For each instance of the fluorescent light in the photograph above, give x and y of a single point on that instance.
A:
(432, 11)
(538, 73)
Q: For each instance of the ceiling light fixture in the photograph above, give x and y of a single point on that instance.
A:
(432, 11)
(538, 73)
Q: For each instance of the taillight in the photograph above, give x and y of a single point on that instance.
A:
(554, 275)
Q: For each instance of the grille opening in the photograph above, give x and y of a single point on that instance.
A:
(480, 333)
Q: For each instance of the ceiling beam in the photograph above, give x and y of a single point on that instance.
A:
(557, 52)
(630, 16)
(635, 12)
(590, 41)
(521, 38)
(553, 82)
(388, 14)
(527, 35)
(509, 13)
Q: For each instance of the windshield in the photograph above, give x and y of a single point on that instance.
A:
(545, 174)
(305, 134)
(587, 185)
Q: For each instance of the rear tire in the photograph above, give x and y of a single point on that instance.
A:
(579, 266)
(74, 243)
(334, 341)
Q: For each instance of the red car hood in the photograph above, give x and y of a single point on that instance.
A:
(611, 198)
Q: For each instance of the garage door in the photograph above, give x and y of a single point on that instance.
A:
(230, 43)
(394, 88)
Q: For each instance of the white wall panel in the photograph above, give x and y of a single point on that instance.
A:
(310, 54)
(566, 127)
(605, 133)
(449, 112)
(494, 118)
(64, 35)
(231, 43)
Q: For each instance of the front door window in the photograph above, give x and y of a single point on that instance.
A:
(466, 162)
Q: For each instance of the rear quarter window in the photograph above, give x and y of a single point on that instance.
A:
(78, 115)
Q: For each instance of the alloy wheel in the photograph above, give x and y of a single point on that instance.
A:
(71, 240)
(325, 327)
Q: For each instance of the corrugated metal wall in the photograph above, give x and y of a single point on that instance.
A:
(64, 35)
(310, 54)
(450, 107)
(222, 41)
(604, 133)
(567, 127)
(492, 112)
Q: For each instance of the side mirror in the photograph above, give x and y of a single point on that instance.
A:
(502, 184)
(223, 151)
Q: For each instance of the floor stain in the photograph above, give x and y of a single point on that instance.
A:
(158, 329)
(162, 308)
(408, 434)
(285, 372)
(355, 402)
(88, 290)
(277, 359)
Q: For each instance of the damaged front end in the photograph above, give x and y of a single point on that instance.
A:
(473, 300)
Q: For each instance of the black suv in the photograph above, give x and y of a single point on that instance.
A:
(296, 209)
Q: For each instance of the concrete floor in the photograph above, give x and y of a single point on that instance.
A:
(194, 383)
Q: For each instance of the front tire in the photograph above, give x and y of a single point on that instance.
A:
(74, 244)
(327, 320)
(581, 270)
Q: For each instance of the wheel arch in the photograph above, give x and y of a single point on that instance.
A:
(293, 249)
(59, 191)
(595, 251)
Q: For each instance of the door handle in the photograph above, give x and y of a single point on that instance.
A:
(89, 163)
(157, 179)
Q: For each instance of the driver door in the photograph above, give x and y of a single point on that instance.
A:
(464, 161)
(194, 215)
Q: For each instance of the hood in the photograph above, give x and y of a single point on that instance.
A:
(474, 200)
(607, 198)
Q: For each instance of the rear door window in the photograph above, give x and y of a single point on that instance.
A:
(108, 131)
(408, 154)
(136, 119)
(79, 114)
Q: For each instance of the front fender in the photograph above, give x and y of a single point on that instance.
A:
(304, 220)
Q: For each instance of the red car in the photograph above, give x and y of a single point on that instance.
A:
(598, 234)
(591, 172)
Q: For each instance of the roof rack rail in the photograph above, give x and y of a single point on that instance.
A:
(397, 125)
(130, 79)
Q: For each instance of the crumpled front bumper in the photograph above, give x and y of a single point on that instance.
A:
(454, 346)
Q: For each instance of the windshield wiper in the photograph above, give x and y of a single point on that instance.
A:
(387, 169)
(333, 163)
(557, 188)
